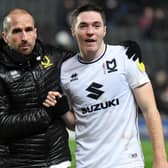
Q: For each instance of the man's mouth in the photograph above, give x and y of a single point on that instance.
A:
(90, 40)
(24, 46)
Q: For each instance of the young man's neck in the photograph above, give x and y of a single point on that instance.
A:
(91, 56)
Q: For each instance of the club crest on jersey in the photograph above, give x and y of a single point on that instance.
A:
(109, 66)
(46, 62)
(141, 66)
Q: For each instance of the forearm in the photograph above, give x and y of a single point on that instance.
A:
(154, 124)
(69, 119)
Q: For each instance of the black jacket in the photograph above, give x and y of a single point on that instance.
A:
(30, 134)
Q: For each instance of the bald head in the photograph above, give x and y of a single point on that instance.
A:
(19, 31)
(15, 12)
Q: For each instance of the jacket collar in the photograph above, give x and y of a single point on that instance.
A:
(16, 59)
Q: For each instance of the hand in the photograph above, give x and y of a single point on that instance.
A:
(133, 50)
(51, 99)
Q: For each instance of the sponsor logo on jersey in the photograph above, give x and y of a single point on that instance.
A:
(46, 62)
(74, 77)
(100, 106)
(94, 90)
(95, 93)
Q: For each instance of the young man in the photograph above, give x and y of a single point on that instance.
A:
(104, 88)
(31, 135)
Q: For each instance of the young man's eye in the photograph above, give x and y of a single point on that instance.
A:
(97, 25)
(82, 26)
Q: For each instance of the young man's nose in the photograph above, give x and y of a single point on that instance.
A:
(90, 30)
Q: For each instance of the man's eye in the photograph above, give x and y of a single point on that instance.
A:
(15, 31)
(29, 29)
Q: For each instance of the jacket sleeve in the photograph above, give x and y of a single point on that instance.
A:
(20, 124)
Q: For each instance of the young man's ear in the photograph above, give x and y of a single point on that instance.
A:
(72, 32)
(105, 30)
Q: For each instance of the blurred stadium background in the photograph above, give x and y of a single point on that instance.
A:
(144, 21)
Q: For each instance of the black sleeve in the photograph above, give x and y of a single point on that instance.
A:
(62, 106)
(13, 125)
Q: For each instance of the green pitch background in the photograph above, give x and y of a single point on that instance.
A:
(147, 149)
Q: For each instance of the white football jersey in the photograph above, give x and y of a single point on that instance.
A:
(100, 93)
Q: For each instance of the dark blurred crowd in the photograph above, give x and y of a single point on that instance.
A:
(160, 86)
(153, 23)
(150, 16)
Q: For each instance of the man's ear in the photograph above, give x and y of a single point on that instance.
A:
(4, 35)
(35, 29)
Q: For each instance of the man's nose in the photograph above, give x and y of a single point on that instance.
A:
(24, 35)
